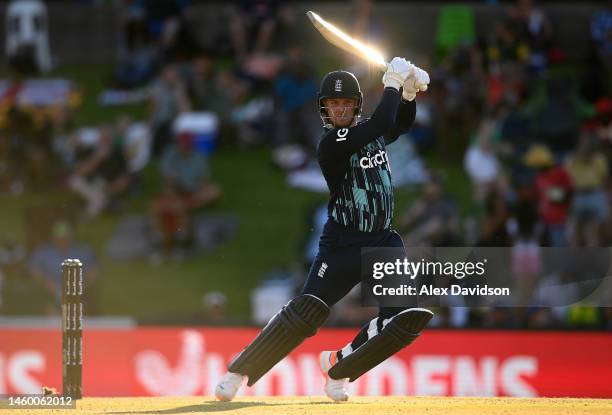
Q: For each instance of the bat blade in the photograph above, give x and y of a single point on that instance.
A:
(345, 42)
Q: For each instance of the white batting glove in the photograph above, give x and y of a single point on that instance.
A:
(398, 70)
(418, 81)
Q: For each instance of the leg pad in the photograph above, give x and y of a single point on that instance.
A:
(399, 332)
(298, 319)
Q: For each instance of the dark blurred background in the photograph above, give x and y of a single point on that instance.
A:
(170, 146)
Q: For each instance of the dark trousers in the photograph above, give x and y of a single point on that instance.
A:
(337, 269)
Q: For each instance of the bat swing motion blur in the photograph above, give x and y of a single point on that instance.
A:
(343, 41)
(340, 39)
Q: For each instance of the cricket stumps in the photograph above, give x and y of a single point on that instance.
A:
(72, 328)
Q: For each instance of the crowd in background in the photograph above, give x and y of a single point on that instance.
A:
(532, 132)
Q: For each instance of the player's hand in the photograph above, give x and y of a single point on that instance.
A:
(417, 81)
(398, 70)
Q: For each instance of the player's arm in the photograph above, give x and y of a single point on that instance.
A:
(417, 81)
(406, 112)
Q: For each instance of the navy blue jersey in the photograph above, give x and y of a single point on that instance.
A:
(356, 167)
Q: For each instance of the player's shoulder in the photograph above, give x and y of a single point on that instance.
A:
(330, 140)
(333, 135)
(339, 134)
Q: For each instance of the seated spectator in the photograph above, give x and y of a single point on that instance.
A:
(589, 172)
(553, 189)
(102, 173)
(205, 86)
(45, 261)
(187, 186)
(433, 219)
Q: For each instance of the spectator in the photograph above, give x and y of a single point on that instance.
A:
(204, 86)
(45, 261)
(532, 27)
(589, 172)
(296, 90)
(553, 187)
(103, 173)
(138, 66)
(168, 99)
(187, 186)
(480, 161)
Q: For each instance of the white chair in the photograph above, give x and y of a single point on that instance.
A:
(26, 27)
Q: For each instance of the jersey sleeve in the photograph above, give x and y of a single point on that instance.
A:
(406, 112)
(341, 143)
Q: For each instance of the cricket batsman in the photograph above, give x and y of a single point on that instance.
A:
(353, 159)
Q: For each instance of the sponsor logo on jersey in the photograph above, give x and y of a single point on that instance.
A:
(342, 133)
(371, 161)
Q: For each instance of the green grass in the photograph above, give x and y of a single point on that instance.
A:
(91, 80)
(270, 227)
(271, 217)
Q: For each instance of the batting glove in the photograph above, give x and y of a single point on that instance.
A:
(398, 70)
(417, 81)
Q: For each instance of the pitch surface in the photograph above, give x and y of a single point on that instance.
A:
(321, 405)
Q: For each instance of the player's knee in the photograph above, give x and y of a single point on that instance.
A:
(409, 323)
(386, 313)
(305, 314)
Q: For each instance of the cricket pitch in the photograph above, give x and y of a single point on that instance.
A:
(321, 405)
